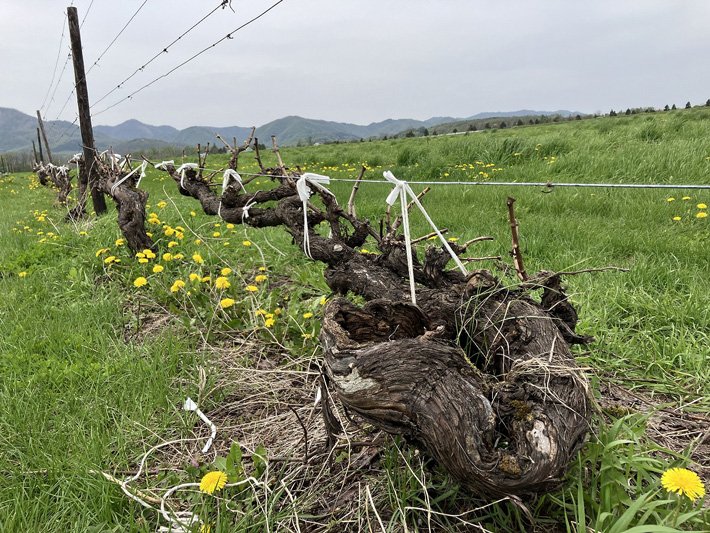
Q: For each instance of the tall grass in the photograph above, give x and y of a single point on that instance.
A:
(94, 370)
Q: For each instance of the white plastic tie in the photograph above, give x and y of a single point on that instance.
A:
(144, 164)
(162, 164)
(192, 406)
(400, 190)
(229, 174)
(304, 193)
(182, 168)
(319, 395)
(245, 210)
(75, 159)
(124, 178)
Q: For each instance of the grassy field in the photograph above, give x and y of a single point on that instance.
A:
(96, 364)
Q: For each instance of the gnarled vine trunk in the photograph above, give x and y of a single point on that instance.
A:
(477, 372)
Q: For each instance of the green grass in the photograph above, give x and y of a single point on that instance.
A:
(95, 370)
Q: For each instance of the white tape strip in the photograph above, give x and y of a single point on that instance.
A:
(124, 178)
(402, 189)
(192, 406)
(229, 174)
(245, 210)
(182, 168)
(304, 193)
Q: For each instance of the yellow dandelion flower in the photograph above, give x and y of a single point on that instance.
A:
(230, 226)
(323, 300)
(262, 269)
(222, 283)
(179, 284)
(110, 259)
(140, 281)
(686, 197)
(169, 232)
(260, 279)
(158, 268)
(702, 206)
(269, 322)
(216, 234)
(683, 482)
(98, 252)
(226, 271)
(178, 256)
(149, 253)
(22, 274)
(307, 315)
(261, 312)
(120, 242)
(161, 204)
(197, 241)
(206, 279)
(143, 260)
(671, 199)
(251, 288)
(195, 277)
(226, 302)
(167, 256)
(277, 311)
(702, 214)
(676, 218)
(246, 243)
(172, 243)
(213, 481)
(197, 258)
(192, 214)
(306, 335)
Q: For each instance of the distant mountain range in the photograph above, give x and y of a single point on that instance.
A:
(18, 130)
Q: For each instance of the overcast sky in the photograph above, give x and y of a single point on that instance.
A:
(357, 61)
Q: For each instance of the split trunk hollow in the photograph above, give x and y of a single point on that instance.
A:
(507, 425)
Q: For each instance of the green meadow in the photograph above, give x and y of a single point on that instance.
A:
(100, 348)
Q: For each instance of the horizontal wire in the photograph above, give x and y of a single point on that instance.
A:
(548, 184)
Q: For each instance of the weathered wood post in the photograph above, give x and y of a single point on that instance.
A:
(89, 178)
(44, 135)
(39, 143)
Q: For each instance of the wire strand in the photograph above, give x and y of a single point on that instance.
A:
(116, 38)
(86, 14)
(163, 51)
(228, 36)
(56, 63)
(548, 184)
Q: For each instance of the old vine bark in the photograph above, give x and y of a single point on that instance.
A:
(479, 372)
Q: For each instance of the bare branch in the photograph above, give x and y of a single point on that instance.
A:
(351, 201)
(430, 235)
(398, 220)
(278, 156)
(515, 252)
